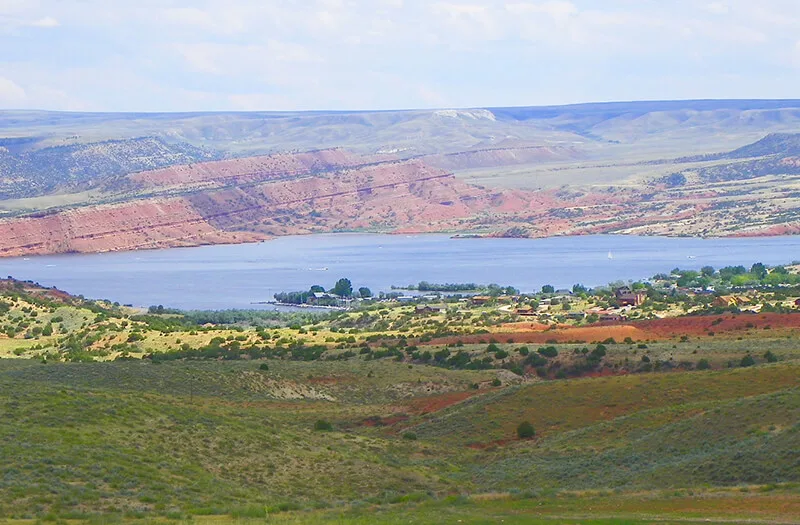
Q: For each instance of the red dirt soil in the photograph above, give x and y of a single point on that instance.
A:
(651, 330)
(427, 405)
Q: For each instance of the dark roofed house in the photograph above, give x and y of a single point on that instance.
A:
(427, 310)
(611, 316)
(526, 311)
(629, 297)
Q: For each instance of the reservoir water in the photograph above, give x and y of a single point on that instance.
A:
(237, 276)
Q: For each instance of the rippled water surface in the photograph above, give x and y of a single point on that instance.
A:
(236, 276)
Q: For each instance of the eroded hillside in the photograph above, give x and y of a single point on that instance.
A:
(658, 168)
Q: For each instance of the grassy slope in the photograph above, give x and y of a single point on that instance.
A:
(137, 438)
(211, 437)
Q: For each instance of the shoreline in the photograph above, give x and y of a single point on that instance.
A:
(308, 306)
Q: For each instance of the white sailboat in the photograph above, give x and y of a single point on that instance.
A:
(610, 256)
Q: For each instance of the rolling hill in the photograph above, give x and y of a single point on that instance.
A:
(112, 415)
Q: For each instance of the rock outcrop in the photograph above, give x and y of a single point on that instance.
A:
(250, 199)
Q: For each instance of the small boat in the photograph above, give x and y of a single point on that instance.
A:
(691, 257)
(610, 256)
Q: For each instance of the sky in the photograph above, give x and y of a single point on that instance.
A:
(214, 55)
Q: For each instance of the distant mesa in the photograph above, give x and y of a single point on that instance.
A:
(76, 182)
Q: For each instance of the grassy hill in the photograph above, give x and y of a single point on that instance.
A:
(335, 430)
(145, 440)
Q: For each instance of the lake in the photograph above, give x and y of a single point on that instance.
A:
(236, 276)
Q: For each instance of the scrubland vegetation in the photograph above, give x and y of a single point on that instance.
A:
(395, 413)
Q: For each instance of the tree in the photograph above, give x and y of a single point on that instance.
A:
(707, 271)
(343, 288)
(548, 288)
(525, 430)
(759, 270)
(579, 289)
(364, 292)
(747, 361)
(317, 289)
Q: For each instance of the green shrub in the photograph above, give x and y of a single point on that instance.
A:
(525, 430)
(747, 361)
(263, 366)
(411, 436)
(703, 364)
(548, 351)
(496, 382)
(323, 426)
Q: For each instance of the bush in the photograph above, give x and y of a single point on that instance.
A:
(549, 351)
(747, 361)
(263, 366)
(525, 430)
(770, 357)
(599, 352)
(496, 382)
(323, 426)
(410, 436)
(703, 364)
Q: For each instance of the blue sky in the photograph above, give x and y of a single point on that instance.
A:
(148, 55)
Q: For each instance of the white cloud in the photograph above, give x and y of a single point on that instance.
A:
(234, 59)
(11, 94)
(47, 21)
(717, 8)
(217, 54)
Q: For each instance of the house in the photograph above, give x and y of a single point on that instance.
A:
(628, 297)
(611, 316)
(323, 298)
(526, 311)
(424, 309)
(606, 315)
(576, 316)
(728, 301)
(481, 299)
